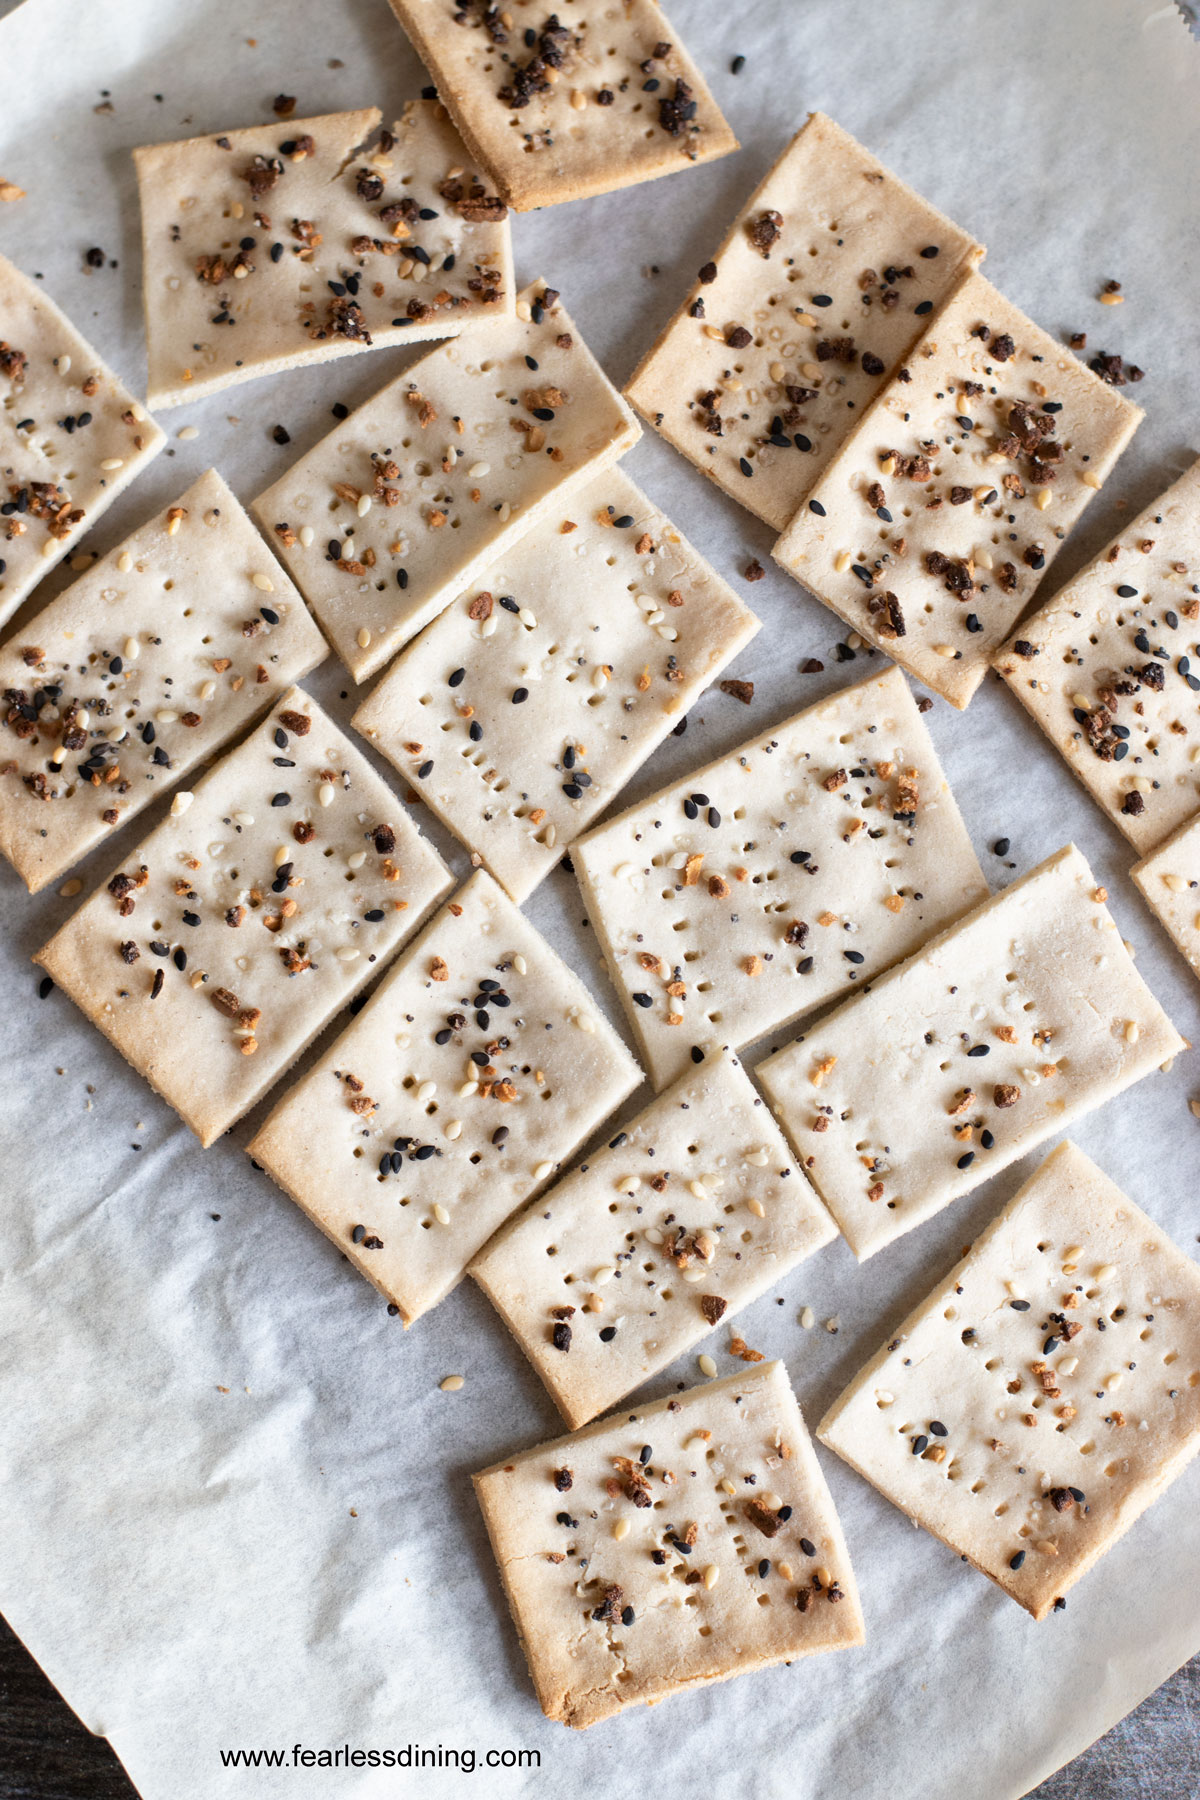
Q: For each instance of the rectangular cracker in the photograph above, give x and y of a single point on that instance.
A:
(287, 244)
(766, 884)
(1170, 882)
(1045, 1393)
(522, 726)
(822, 285)
(1110, 669)
(691, 1212)
(408, 1151)
(162, 652)
(722, 1486)
(577, 101)
(1000, 1032)
(72, 436)
(232, 935)
(441, 472)
(937, 470)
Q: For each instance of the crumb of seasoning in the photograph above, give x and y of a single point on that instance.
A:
(737, 65)
(1111, 295)
(1078, 340)
(9, 191)
(811, 666)
(451, 1384)
(754, 570)
(94, 258)
(1001, 847)
(281, 435)
(739, 690)
(283, 105)
(1194, 1108)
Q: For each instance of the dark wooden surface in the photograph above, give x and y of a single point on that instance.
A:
(45, 1753)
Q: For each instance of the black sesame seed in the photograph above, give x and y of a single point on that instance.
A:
(744, 466)
(608, 1334)
(457, 677)
(642, 1000)
(920, 1444)
(764, 1568)
(979, 1050)
(1000, 847)
(814, 506)
(822, 300)
(624, 522)
(520, 695)
(808, 1547)
(426, 769)
(987, 1140)
(930, 251)
(714, 817)
(1050, 1346)
(627, 1613)
(1126, 592)
(801, 442)
(1019, 1305)
(281, 799)
(937, 1428)
(853, 956)
(926, 306)
(402, 578)
(800, 856)
(697, 1054)
(1014, 1562)
(965, 1161)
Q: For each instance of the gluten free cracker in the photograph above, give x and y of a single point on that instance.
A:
(684, 1543)
(1001, 1031)
(406, 501)
(290, 243)
(770, 882)
(558, 105)
(525, 708)
(165, 649)
(1110, 669)
(822, 286)
(233, 933)
(476, 1071)
(935, 522)
(72, 436)
(1169, 879)
(690, 1213)
(1046, 1392)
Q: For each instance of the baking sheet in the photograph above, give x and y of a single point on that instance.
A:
(236, 1511)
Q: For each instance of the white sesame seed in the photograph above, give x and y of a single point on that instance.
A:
(307, 534)
(364, 637)
(440, 1213)
(263, 583)
(758, 1157)
(124, 562)
(113, 462)
(188, 433)
(62, 364)
(132, 649)
(467, 1088)
(69, 889)
(206, 690)
(454, 1128)
(426, 1091)
(1106, 1272)
(603, 1275)
(712, 1575)
(808, 1318)
(518, 963)
(356, 859)
(757, 1208)
(451, 1384)
(244, 819)
(326, 793)
(165, 716)
(479, 469)
(586, 1023)
(629, 1184)
(364, 505)
(706, 1365)
(282, 855)
(621, 1529)
(542, 1170)
(347, 954)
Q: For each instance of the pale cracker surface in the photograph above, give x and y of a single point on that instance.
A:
(691, 1212)
(441, 472)
(1169, 879)
(470, 1126)
(262, 254)
(259, 937)
(824, 283)
(773, 880)
(168, 646)
(979, 460)
(57, 475)
(1000, 1032)
(605, 94)
(1118, 645)
(603, 626)
(1044, 1394)
(575, 1525)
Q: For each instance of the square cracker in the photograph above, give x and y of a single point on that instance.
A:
(764, 885)
(691, 1212)
(277, 246)
(165, 649)
(441, 472)
(529, 101)
(1110, 669)
(575, 1526)
(1000, 1032)
(609, 624)
(830, 243)
(232, 935)
(1002, 1420)
(930, 529)
(1170, 882)
(58, 473)
(409, 1186)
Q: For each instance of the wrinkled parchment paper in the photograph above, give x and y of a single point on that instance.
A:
(236, 1511)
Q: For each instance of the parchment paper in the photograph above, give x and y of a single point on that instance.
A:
(236, 1512)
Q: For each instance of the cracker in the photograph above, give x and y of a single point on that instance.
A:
(589, 98)
(163, 651)
(822, 285)
(933, 525)
(441, 472)
(521, 727)
(769, 882)
(71, 436)
(408, 1185)
(232, 935)
(722, 1486)
(1014, 1022)
(1170, 882)
(690, 1213)
(1044, 1394)
(1110, 669)
(287, 244)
